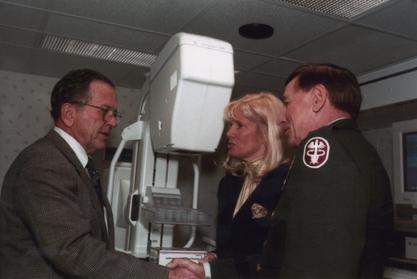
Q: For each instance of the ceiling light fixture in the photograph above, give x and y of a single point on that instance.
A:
(256, 31)
(93, 50)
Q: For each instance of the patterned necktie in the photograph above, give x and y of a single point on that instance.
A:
(95, 178)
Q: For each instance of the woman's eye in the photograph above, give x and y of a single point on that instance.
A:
(232, 125)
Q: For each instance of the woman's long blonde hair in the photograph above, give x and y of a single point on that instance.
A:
(265, 110)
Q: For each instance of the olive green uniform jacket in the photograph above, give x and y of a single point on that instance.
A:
(335, 213)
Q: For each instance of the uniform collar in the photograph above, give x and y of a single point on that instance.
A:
(343, 123)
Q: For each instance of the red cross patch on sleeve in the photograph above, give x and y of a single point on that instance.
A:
(316, 152)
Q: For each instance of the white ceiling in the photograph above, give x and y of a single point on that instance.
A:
(381, 37)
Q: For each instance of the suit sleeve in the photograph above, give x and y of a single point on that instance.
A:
(46, 200)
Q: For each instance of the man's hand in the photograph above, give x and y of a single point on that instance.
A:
(185, 269)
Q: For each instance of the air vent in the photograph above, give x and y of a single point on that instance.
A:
(256, 31)
(339, 8)
(88, 49)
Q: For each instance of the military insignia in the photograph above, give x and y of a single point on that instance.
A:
(258, 211)
(316, 152)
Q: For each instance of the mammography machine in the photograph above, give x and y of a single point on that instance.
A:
(180, 114)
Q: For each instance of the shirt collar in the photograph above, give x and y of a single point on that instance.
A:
(75, 146)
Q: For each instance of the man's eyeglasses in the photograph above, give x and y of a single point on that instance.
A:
(107, 111)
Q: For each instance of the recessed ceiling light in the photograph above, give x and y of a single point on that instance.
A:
(256, 31)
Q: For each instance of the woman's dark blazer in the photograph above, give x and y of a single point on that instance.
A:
(243, 236)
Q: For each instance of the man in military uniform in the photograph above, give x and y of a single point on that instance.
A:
(335, 213)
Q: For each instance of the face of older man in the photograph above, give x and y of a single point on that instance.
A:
(95, 119)
(298, 120)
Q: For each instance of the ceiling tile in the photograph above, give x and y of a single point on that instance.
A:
(291, 27)
(164, 16)
(22, 17)
(358, 49)
(246, 61)
(40, 4)
(278, 67)
(19, 37)
(400, 18)
(345, 9)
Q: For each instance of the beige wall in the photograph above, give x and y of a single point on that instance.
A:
(24, 113)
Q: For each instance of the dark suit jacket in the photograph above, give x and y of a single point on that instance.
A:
(334, 219)
(242, 237)
(52, 223)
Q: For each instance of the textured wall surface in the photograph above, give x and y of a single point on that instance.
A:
(24, 113)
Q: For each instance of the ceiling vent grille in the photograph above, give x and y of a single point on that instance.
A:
(339, 8)
(88, 49)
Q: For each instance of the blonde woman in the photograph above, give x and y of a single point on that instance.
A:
(255, 173)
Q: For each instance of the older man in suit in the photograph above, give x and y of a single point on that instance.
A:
(55, 221)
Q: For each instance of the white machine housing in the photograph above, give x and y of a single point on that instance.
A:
(190, 84)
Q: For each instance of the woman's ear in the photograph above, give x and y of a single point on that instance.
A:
(320, 95)
(68, 113)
